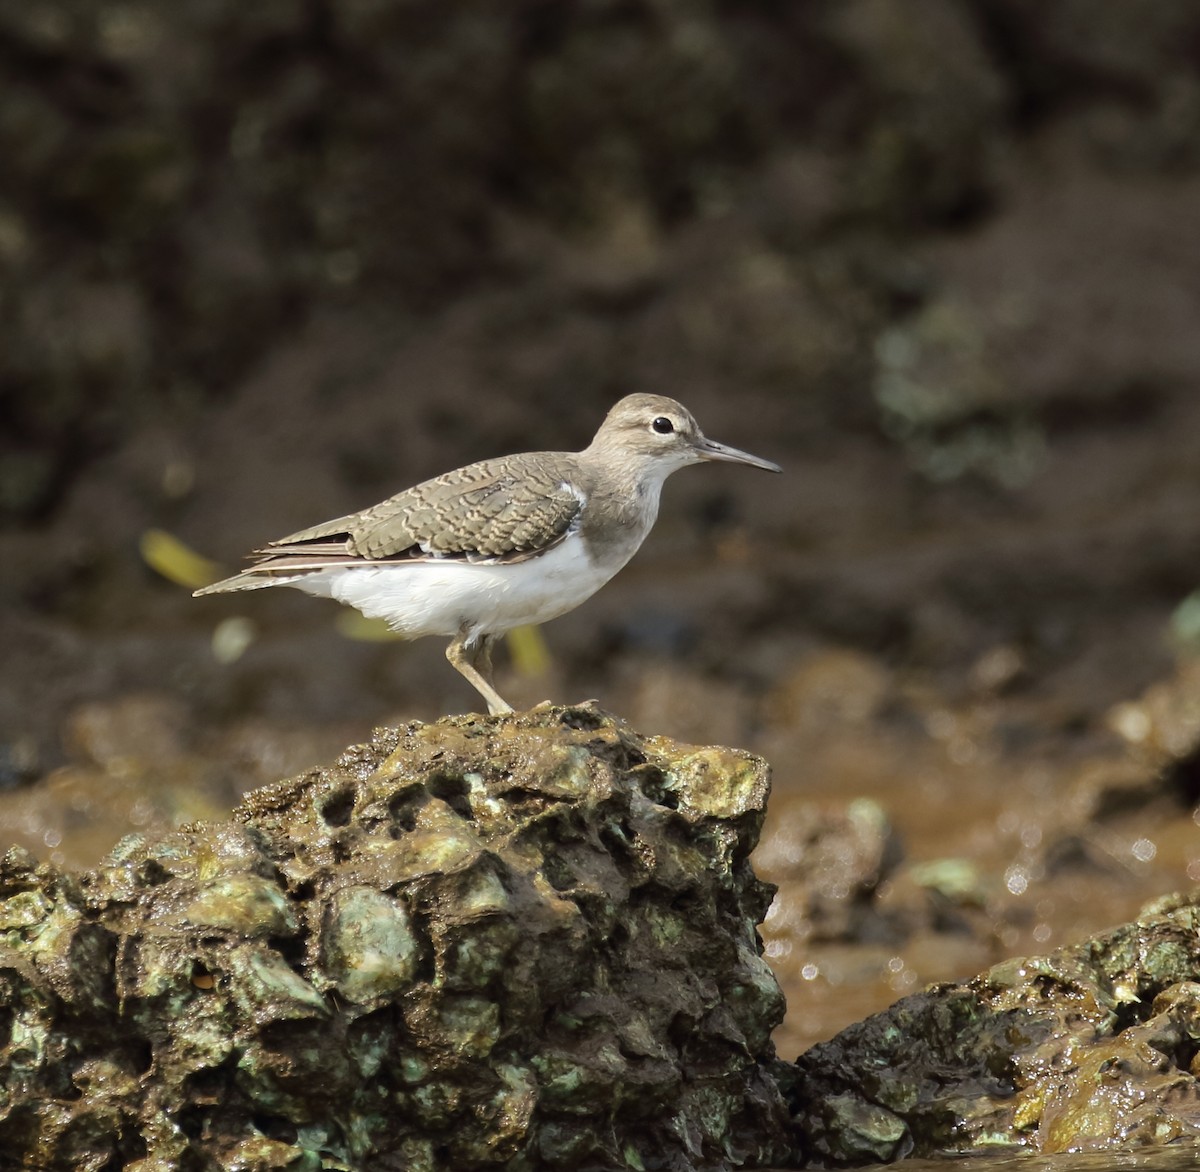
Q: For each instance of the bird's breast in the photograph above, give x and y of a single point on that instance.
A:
(613, 530)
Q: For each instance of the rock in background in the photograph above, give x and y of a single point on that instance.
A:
(1091, 1048)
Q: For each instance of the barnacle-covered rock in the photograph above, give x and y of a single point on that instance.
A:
(525, 942)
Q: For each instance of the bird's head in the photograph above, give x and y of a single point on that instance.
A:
(659, 433)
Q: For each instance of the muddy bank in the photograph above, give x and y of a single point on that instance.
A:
(931, 843)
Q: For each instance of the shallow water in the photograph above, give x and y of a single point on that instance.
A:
(929, 847)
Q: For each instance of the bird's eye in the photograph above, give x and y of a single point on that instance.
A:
(663, 425)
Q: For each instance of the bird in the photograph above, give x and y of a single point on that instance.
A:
(498, 544)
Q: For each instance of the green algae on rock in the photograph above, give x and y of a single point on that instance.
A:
(1093, 1047)
(523, 942)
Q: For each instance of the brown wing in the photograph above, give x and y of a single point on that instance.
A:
(501, 510)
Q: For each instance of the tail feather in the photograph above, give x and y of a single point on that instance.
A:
(283, 566)
(246, 580)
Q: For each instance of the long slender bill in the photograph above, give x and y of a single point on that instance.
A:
(711, 450)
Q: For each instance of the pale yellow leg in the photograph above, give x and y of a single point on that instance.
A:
(483, 658)
(474, 663)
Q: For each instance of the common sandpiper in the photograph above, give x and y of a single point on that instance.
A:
(521, 539)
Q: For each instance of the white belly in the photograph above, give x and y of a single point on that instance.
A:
(441, 597)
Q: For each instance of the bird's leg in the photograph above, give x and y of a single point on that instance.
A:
(467, 658)
(483, 657)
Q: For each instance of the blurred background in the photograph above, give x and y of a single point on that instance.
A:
(264, 264)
